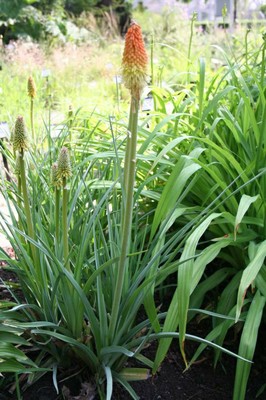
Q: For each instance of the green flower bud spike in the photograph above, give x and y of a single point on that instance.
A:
(31, 87)
(55, 179)
(70, 111)
(64, 172)
(20, 144)
(20, 139)
(64, 165)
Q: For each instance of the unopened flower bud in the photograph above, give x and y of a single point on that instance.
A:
(20, 140)
(31, 87)
(56, 181)
(64, 165)
(70, 111)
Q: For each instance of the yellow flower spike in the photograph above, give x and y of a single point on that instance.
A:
(20, 139)
(135, 61)
(31, 87)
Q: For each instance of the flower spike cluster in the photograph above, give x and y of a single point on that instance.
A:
(135, 61)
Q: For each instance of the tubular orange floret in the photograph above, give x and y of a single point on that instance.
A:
(135, 61)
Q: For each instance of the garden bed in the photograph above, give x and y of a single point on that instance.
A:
(200, 382)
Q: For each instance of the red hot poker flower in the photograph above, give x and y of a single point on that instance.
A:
(135, 60)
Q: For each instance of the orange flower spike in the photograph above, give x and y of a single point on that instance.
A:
(135, 61)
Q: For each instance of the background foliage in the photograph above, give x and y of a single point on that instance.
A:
(43, 19)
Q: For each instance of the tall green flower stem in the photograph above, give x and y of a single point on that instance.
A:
(127, 153)
(193, 19)
(262, 76)
(134, 70)
(19, 196)
(129, 181)
(60, 172)
(246, 46)
(57, 217)
(27, 209)
(73, 309)
(32, 118)
(70, 299)
(57, 184)
(152, 60)
(32, 94)
(64, 224)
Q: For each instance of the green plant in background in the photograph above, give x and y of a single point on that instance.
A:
(55, 20)
(263, 9)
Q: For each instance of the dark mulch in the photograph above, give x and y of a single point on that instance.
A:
(200, 382)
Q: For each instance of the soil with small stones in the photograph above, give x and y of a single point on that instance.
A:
(200, 382)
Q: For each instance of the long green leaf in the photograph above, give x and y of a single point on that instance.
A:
(244, 205)
(14, 366)
(247, 345)
(185, 274)
(183, 170)
(135, 374)
(250, 273)
(109, 382)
